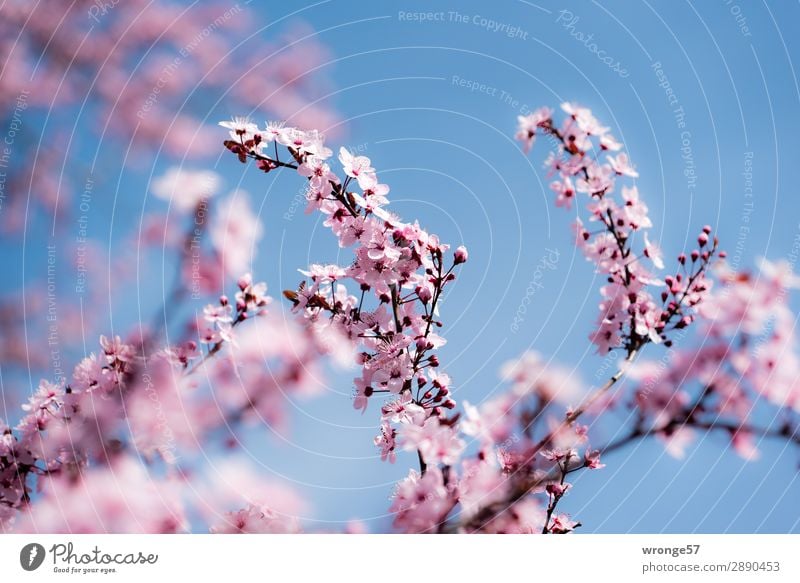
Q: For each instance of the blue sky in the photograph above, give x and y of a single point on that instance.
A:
(434, 104)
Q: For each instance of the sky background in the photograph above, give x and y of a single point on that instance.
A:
(449, 155)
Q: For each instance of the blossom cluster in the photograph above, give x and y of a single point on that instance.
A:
(76, 441)
(748, 356)
(400, 266)
(587, 162)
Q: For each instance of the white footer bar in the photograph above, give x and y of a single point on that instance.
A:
(390, 558)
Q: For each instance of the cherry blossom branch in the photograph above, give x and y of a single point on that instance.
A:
(390, 256)
(630, 318)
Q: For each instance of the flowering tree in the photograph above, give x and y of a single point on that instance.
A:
(502, 466)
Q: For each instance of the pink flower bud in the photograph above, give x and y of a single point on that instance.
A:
(424, 294)
(461, 255)
(244, 281)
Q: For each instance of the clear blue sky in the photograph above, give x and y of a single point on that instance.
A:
(448, 154)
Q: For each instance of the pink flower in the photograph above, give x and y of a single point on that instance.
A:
(117, 353)
(214, 313)
(355, 166)
(528, 124)
(373, 190)
(591, 460)
(393, 374)
(609, 142)
(421, 502)
(318, 173)
(48, 396)
(241, 129)
(385, 440)
(622, 165)
(599, 181)
(256, 519)
(324, 273)
(647, 318)
(635, 210)
(403, 410)
(182, 354)
(92, 373)
(562, 524)
(460, 256)
(251, 296)
(310, 143)
(653, 252)
(565, 191)
(436, 443)
(584, 119)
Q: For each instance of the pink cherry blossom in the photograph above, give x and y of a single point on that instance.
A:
(436, 443)
(421, 502)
